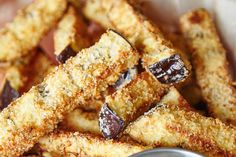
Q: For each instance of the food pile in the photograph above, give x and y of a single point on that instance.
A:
(123, 87)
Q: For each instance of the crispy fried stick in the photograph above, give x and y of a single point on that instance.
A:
(28, 27)
(128, 103)
(172, 123)
(81, 78)
(80, 144)
(159, 58)
(209, 60)
(83, 121)
(120, 15)
(70, 36)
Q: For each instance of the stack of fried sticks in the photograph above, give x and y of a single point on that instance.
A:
(118, 96)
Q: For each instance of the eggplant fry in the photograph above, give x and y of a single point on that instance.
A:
(157, 52)
(128, 103)
(173, 124)
(87, 121)
(210, 63)
(80, 144)
(81, 78)
(28, 27)
(159, 58)
(70, 36)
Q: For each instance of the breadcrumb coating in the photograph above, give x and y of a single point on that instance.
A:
(173, 124)
(81, 78)
(128, 103)
(80, 144)
(136, 97)
(23, 34)
(210, 63)
(140, 32)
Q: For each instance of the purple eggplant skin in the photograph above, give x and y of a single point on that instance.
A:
(170, 70)
(8, 95)
(111, 125)
(66, 54)
(126, 77)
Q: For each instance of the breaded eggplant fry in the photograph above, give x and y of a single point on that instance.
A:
(86, 122)
(83, 121)
(70, 36)
(28, 27)
(159, 57)
(128, 103)
(81, 78)
(209, 60)
(173, 124)
(79, 144)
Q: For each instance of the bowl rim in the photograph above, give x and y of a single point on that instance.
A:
(166, 149)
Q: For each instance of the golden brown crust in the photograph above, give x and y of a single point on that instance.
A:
(78, 144)
(128, 103)
(172, 123)
(28, 27)
(209, 60)
(136, 97)
(122, 16)
(86, 122)
(81, 78)
(71, 31)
